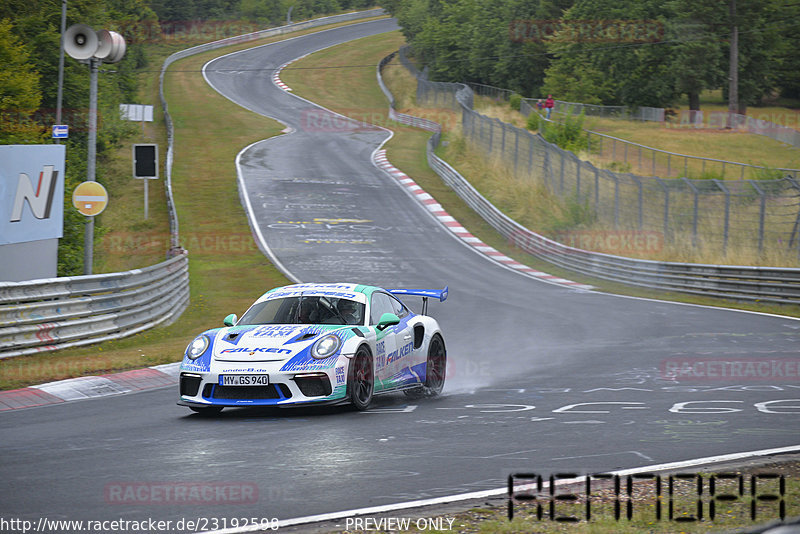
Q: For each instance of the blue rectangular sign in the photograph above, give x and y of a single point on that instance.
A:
(60, 131)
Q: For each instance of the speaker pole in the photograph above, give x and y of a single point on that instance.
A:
(88, 234)
(61, 65)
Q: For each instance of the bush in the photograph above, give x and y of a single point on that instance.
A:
(766, 173)
(533, 121)
(514, 101)
(567, 133)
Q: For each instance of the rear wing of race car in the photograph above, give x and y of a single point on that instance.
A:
(440, 294)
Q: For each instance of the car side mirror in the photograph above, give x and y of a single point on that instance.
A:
(230, 320)
(387, 320)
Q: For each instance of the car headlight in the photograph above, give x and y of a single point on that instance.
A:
(326, 347)
(197, 347)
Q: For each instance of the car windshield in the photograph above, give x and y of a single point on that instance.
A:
(306, 309)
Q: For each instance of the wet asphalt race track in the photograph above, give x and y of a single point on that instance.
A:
(541, 377)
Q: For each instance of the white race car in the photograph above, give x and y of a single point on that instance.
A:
(316, 344)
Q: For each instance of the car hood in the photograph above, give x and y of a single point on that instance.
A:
(266, 342)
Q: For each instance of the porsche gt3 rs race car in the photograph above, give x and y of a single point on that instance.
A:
(316, 343)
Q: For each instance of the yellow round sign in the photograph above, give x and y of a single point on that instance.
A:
(90, 198)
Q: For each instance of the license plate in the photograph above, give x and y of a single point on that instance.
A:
(243, 380)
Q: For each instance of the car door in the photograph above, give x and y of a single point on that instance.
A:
(388, 345)
(414, 358)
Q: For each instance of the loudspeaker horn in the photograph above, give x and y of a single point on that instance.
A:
(80, 41)
(104, 43)
(111, 48)
(118, 48)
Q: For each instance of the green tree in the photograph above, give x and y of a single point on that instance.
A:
(608, 52)
(482, 42)
(19, 90)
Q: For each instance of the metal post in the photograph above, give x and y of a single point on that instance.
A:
(669, 164)
(654, 163)
(546, 167)
(641, 199)
(491, 135)
(516, 149)
(640, 159)
(666, 207)
(596, 190)
(616, 199)
(695, 214)
(88, 232)
(727, 213)
(761, 214)
(502, 139)
(531, 140)
(60, 96)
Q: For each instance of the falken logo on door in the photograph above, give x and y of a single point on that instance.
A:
(31, 192)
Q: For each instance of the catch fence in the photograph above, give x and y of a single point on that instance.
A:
(713, 214)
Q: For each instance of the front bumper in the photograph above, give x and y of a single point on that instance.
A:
(285, 388)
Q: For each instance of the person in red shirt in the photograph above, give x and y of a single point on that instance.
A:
(549, 104)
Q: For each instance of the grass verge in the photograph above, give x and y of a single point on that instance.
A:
(227, 271)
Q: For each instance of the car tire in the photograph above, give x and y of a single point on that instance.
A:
(206, 411)
(361, 379)
(436, 368)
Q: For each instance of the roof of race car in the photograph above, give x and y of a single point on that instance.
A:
(357, 292)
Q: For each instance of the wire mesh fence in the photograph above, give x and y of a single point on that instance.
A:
(649, 161)
(712, 215)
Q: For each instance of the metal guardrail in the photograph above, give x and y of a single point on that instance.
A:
(765, 284)
(57, 313)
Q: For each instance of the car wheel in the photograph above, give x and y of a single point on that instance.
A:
(206, 410)
(436, 367)
(361, 382)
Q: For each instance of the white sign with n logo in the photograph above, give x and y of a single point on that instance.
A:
(31, 192)
(39, 199)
